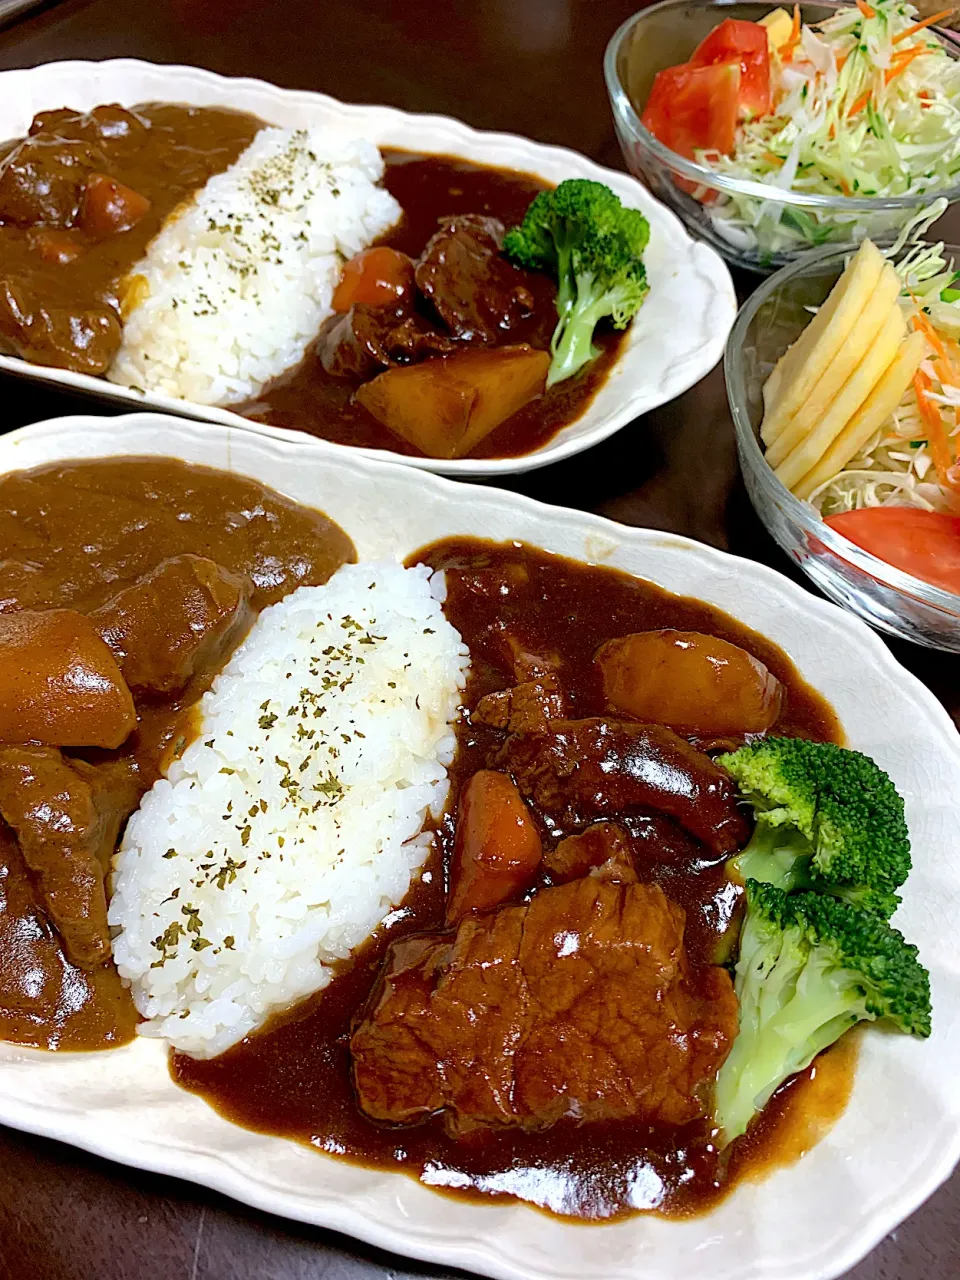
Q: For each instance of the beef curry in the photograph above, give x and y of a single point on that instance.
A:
(452, 364)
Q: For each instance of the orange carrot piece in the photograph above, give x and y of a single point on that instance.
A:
(927, 22)
(845, 187)
(901, 61)
(865, 9)
(936, 432)
(860, 103)
(786, 50)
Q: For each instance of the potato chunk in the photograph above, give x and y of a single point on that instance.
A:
(446, 406)
(689, 681)
(59, 683)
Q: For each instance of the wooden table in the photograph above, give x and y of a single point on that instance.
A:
(527, 66)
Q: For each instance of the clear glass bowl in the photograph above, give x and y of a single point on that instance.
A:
(794, 224)
(887, 598)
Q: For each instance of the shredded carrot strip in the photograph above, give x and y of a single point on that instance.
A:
(841, 61)
(786, 50)
(865, 9)
(901, 61)
(773, 157)
(921, 322)
(845, 187)
(927, 22)
(939, 441)
(860, 103)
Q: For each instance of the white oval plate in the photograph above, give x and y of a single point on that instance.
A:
(899, 1137)
(676, 339)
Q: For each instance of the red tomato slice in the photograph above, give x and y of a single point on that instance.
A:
(376, 276)
(694, 108)
(745, 43)
(924, 543)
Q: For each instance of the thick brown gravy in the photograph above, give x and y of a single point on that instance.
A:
(431, 187)
(72, 535)
(294, 1078)
(166, 162)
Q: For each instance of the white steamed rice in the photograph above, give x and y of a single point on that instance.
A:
(293, 824)
(237, 283)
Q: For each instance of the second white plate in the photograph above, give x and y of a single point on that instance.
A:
(676, 339)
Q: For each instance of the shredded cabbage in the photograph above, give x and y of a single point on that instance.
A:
(858, 112)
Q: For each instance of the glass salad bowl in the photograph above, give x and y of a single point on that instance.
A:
(888, 598)
(752, 223)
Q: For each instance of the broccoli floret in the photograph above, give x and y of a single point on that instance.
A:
(810, 967)
(583, 235)
(828, 820)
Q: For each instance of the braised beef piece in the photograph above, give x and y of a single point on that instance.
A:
(526, 708)
(84, 339)
(603, 848)
(477, 293)
(575, 771)
(43, 178)
(577, 1004)
(177, 621)
(363, 341)
(67, 815)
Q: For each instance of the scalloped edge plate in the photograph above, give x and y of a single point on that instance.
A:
(900, 1135)
(676, 339)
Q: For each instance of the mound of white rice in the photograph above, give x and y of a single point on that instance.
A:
(238, 282)
(293, 824)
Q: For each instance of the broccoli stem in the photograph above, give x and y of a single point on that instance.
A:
(572, 344)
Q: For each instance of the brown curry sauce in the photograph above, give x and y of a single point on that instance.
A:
(294, 1078)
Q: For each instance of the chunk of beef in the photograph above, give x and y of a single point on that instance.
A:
(67, 816)
(575, 771)
(477, 293)
(364, 340)
(42, 180)
(577, 1004)
(174, 623)
(59, 683)
(60, 337)
(603, 848)
(497, 849)
(526, 708)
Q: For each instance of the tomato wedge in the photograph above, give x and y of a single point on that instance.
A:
(745, 43)
(377, 276)
(924, 543)
(694, 108)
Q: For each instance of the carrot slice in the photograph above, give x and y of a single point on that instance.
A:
(927, 22)
(860, 103)
(865, 9)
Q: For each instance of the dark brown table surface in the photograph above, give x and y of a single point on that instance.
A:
(525, 66)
